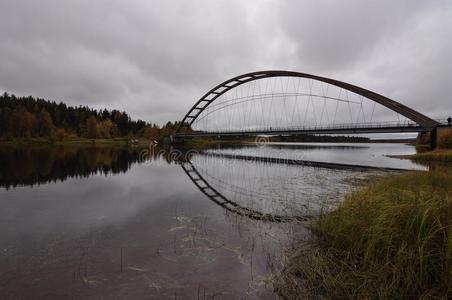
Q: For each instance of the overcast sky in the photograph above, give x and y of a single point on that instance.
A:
(154, 59)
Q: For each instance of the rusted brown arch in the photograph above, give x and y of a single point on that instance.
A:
(222, 88)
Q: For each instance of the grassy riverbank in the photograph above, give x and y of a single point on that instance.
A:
(392, 239)
(440, 155)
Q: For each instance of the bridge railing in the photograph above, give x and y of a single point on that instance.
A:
(320, 127)
(346, 125)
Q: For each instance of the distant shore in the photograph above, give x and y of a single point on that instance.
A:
(73, 142)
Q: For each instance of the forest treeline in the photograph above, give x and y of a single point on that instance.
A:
(29, 117)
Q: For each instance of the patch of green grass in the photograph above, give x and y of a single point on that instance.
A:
(392, 239)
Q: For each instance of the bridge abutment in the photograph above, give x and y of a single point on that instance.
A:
(434, 138)
(439, 136)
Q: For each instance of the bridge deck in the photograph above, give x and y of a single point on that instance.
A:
(362, 128)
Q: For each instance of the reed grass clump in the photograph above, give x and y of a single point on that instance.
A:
(392, 239)
(433, 156)
(445, 139)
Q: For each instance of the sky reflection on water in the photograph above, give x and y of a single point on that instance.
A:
(115, 226)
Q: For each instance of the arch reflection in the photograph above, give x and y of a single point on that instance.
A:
(213, 194)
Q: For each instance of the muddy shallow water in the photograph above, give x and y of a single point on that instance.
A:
(109, 222)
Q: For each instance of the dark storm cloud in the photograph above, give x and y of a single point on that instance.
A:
(154, 58)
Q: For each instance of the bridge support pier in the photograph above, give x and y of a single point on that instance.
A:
(434, 138)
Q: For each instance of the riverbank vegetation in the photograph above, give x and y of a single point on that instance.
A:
(445, 139)
(440, 155)
(392, 239)
(28, 119)
(429, 157)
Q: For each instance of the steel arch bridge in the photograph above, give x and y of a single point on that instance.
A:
(415, 121)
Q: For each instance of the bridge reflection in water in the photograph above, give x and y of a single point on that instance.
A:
(272, 190)
(280, 188)
(229, 205)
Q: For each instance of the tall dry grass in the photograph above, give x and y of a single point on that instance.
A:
(392, 239)
(445, 139)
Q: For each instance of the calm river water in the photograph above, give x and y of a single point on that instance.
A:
(112, 222)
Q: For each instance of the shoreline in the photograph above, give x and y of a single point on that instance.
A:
(437, 155)
(74, 142)
(389, 239)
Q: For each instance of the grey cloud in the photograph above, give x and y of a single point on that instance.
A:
(155, 58)
(332, 34)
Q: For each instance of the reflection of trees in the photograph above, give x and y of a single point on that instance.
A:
(35, 165)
